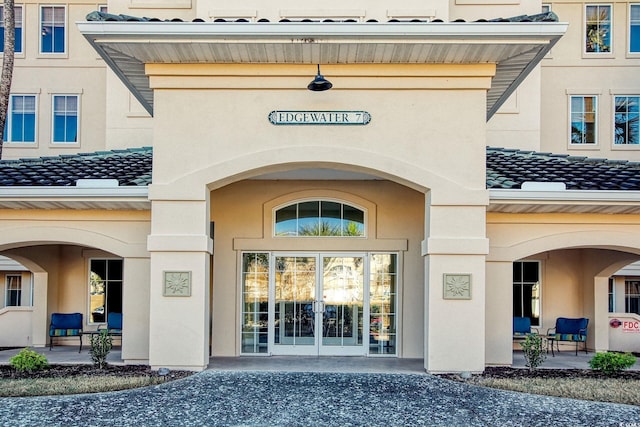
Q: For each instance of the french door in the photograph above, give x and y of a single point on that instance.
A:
(317, 304)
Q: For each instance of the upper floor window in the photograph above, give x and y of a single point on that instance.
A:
(52, 29)
(634, 28)
(319, 218)
(546, 8)
(17, 10)
(20, 125)
(626, 129)
(583, 119)
(65, 118)
(598, 29)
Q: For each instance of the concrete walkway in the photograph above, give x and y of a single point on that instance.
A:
(283, 391)
(70, 355)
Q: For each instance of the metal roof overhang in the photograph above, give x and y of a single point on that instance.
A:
(568, 201)
(116, 198)
(515, 47)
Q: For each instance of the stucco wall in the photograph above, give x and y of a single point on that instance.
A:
(56, 246)
(242, 213)
(577, 252)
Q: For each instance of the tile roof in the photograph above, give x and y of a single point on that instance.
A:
(131, 167)
(506, 169)
(510, 168)
(103, 16)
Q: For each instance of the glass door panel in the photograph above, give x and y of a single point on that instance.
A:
(294, 302)
(382, 303)
(342, 304)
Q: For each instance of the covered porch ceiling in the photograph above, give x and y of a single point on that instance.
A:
(515, 47)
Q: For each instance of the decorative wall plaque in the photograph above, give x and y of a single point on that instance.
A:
(177, 284)
(340, 118)
(457, 286)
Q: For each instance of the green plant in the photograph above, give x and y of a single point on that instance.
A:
(534, 349)
(101, 344)
(28, 361)
(612, 362)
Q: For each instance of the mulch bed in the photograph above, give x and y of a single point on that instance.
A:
(66, 371)
(506, 372)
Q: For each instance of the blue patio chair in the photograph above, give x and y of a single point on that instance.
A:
(114, 324)
(572, 330)
(65, 325)
(522, 327)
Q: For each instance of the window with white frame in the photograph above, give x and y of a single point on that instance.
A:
(632, 296)
(598, 28)
(626, 129)
(612, 295)
(20, 125)
(65, 118)
(17, 10)
(319, 218)
(526, 290)
(546, 8)
(105, 289)
(53, 29)
(103, 8)
(13, 295)
(583, 119)
(634, 28)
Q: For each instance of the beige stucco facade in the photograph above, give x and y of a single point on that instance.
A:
(222, 169)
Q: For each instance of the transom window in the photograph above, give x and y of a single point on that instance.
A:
(626, 126)
(598, 29)
(319, 218)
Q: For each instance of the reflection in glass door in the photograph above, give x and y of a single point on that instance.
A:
(294, 303)
(342, 299)
(319, 304)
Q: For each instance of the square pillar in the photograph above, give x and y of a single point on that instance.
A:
(135, 307)
(499, 313)
(455, 254)
(180, 249)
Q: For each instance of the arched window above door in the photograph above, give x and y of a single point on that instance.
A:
(319, 218)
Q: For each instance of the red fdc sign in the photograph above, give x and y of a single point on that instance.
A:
(631, 326)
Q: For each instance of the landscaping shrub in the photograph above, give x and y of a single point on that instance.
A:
(28, 361)
(100, 347)
(612, 362)
(534, 351)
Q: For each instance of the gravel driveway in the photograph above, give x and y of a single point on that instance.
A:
(233, 398)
